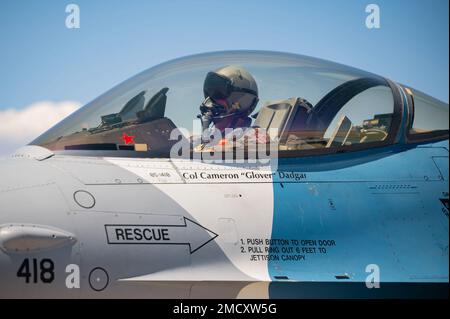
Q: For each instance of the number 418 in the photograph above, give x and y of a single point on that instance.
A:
(46, 270)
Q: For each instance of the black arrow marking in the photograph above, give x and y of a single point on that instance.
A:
(189, 233)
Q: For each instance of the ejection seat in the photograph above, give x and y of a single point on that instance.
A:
(286, 120)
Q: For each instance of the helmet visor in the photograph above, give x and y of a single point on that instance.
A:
(216, 86)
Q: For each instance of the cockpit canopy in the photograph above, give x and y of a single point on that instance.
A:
(310, 104)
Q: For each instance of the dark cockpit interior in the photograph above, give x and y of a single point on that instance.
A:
(294, 123)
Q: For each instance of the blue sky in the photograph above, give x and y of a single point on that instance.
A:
(40, 59)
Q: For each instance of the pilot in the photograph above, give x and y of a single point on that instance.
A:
(231, 95)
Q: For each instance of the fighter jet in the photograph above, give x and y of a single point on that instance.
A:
(238, 174)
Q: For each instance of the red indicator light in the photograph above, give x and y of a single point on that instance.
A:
(127, 139)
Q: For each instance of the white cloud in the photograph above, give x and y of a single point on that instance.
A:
(19, 127)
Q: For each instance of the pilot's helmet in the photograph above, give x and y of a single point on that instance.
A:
(230, 91)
